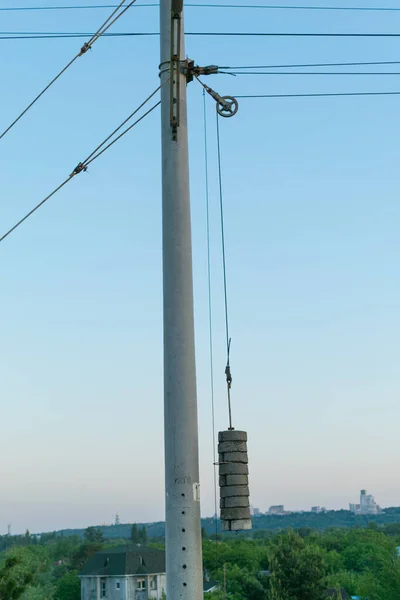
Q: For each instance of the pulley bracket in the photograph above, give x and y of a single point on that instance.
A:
(227, 106)
(190, 70)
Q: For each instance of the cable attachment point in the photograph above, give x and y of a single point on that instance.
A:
(86, 46)
(228, 376)
(227, 106)
(78, 169)
(190, 70)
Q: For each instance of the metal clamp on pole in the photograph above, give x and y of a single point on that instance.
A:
(177, 7)
(190, 70)
(176, 26)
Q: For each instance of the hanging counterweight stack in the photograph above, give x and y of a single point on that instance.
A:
(234, 480)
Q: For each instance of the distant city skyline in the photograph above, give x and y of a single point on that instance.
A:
(108, 519)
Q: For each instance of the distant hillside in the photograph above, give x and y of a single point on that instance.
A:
(120, 532)
(321, 521)
(333, 518)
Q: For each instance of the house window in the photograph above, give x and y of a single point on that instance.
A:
(141, 584)
(117, 585)
(153, 583)
(104, 589)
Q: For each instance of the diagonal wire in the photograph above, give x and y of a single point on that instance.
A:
(86, 161)
(3, 237)
(82, 166)
(38, 96)
(110, 21)
(104, 27)
(123, 133)
(210, 327)
(61, 36)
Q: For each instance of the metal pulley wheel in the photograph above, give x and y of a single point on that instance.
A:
(227, 106)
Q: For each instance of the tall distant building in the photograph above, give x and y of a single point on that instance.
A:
(117, 521)
(367, 505)
(255, 512)
(277, 510)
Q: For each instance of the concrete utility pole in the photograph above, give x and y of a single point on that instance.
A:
(183, 530)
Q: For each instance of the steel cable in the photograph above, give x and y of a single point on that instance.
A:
(82, 166)
(101, 31)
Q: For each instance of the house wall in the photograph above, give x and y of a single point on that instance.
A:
(134, 593)
(91, 588)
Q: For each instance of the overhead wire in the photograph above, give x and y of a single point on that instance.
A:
(97, 152)
(318, 95)
(230, 6)
(228, 339)
(30, 213)
(61, 7)
(314, 65)
(93, 155)
(60, 35)
(88, 45)
(336, 73)
(294, 34)
(210, 315)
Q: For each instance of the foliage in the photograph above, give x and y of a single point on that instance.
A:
(261, 565)
(21, 568)
(139, 536)
(298, 570)
(82, 554)
(135, 534)
(94, 535)
(68, 587)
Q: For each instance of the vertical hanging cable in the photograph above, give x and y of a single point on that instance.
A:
(210, 328)
(228, 339)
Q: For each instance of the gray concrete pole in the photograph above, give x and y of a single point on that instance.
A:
(183, 529)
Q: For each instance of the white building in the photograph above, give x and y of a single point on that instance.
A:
(367, 505)
(130, 572)
(124, 573)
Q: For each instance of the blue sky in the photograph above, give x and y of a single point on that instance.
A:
(312, 213)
